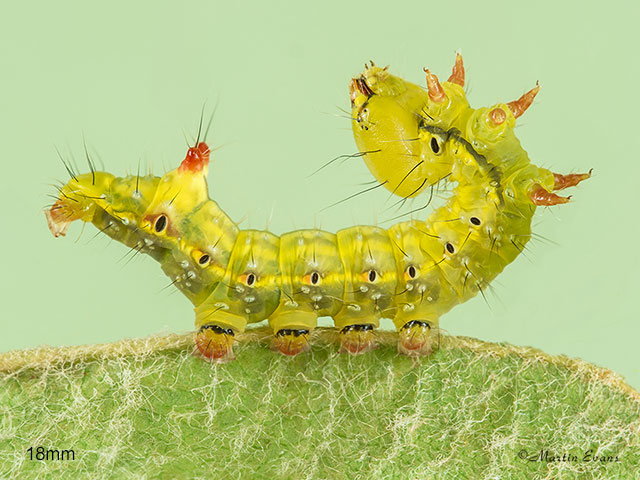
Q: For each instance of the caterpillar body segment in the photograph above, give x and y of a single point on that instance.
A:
(180, 216)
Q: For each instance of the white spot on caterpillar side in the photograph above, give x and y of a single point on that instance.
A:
(249, 298)
(305, 289)
(184, 264)
(354, 307)
(364, 288)
(221, 305)
(408, 307)
(239, 289)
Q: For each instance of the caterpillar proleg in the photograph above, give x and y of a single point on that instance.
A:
(413, 272)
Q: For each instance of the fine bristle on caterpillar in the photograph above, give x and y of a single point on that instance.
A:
(413, 272)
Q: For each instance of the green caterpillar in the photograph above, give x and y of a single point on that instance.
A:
(413, 272)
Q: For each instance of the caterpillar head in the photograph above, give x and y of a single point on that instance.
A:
(179, 192)
(388, 115)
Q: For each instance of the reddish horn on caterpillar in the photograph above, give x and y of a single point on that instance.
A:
(541, 197)
(571, 180)
(197, 158)
(436, 93)
(518, 107)
(457, 74)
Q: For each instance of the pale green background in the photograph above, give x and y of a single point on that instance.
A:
(132, 77)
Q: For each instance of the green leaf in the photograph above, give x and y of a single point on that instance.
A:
(148, 408)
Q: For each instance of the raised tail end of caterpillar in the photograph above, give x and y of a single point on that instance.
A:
(77, 200)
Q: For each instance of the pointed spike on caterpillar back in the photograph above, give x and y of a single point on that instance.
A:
(543, 198)
(436, 92)
(457, 74)
(197, 159)
(571, 180)
(518, 107)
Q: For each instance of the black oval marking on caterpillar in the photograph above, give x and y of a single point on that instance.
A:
(160, 223)
(435, 147)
